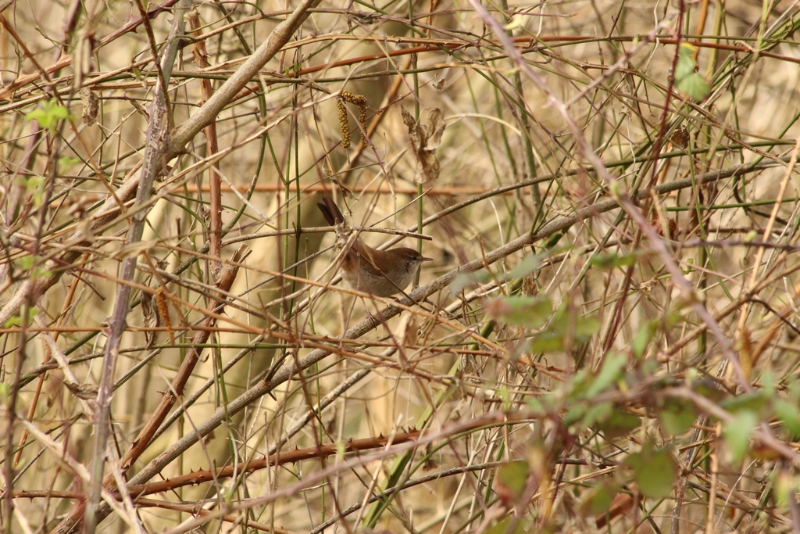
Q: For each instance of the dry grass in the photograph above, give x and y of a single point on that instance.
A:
(612, 299)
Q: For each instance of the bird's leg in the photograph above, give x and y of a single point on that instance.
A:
(379, 317)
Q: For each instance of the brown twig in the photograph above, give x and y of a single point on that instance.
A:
(215, 202)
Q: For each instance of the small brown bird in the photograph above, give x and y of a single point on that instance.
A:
(382, 273)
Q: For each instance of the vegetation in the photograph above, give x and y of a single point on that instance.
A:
(605, 340)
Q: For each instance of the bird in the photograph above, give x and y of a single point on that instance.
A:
(381, 273)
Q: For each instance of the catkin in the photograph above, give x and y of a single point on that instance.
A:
(360, 101)
(343, 127)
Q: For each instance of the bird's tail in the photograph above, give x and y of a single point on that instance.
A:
(330, 211)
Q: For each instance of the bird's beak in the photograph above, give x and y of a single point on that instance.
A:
(426, 259)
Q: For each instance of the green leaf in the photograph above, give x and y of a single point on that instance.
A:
(707, 388)
(68, 161)
(49, 114)
(529, 264)
(510, 482)
(534, 404)
(694, 86)
(618, 424)
(5, 391)
(768, 383)
(579, 383)
(585, 328)
(25, 263)
(548, 342)
(654, 471)
(794, 390)
(643, 338)
(505, 397)
(787, 412)
(597, 412)
(749, 402)
(531, 312)
(502, 527)
(574, 414)
(465, 280)
(16, 320)
(785, 488)
(41, 272)
(677, 416)
(737, 434)
(565, 324)
(513, 476)
(685, 67)
(612, 260)
(598, 499)
(35, 186)
(687, 80)
(28, 264)
(611, 371)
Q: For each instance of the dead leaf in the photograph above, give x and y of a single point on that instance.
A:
(680, 137)
(91, 104)
(425, 138)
